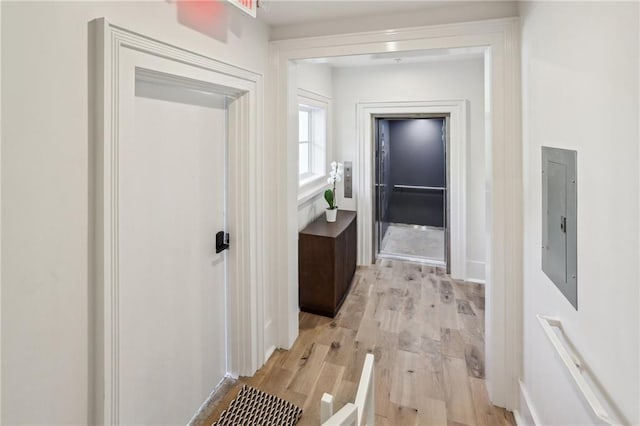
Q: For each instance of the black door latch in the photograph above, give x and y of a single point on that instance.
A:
(222, 241)
(563, 224)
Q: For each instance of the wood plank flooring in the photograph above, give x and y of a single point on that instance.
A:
(427, 334)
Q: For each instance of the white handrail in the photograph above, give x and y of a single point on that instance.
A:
(574, 365)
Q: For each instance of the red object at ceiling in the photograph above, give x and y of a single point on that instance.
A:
(201, 13)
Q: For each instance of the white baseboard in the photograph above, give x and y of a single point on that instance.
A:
(526, 414)
(269, 340)
(518, 418)
(269, 352)
(475, 271)
(208, 405)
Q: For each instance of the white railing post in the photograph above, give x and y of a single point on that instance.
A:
(326, 407)
(365, 396)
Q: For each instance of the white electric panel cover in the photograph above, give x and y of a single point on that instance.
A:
(559, 220)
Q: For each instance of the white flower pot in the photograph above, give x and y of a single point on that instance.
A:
(331, 214)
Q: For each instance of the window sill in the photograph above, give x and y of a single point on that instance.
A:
(307, 179)
(310, 188)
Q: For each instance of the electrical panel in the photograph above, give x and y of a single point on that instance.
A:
(559, 220)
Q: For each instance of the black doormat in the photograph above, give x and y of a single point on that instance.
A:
(254, 407)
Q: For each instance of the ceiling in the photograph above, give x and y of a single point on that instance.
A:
(286, 12)
(408, 57)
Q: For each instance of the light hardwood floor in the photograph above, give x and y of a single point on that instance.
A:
(427, 334)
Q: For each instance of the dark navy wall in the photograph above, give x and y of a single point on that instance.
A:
(417, 152)
(417, 158)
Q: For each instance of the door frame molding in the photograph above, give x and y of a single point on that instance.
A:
(500, 39)
(456, 177)
(245, 321)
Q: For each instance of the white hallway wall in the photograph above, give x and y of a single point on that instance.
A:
(580, 91)
(451, 79)
(316, 78)
(45, 189)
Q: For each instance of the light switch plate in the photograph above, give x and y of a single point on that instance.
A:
(348, 179)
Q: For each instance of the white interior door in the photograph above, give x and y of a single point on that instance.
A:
(172, 291)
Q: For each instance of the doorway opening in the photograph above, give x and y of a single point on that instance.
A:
(497, 41)
(411, 176)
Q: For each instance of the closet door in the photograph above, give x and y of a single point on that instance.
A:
(173, 285)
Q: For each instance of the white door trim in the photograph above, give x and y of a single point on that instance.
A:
(245, 204)
(500, 38)
(456, 185)
(0, 219)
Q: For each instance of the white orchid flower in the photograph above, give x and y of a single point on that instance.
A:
(335, 175)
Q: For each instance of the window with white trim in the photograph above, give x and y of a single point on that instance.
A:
(305, 136)
(312, 141)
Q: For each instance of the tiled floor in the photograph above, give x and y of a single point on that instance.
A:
(414, 241)
(427, 334)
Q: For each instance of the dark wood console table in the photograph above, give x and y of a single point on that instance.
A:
(326, 263)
